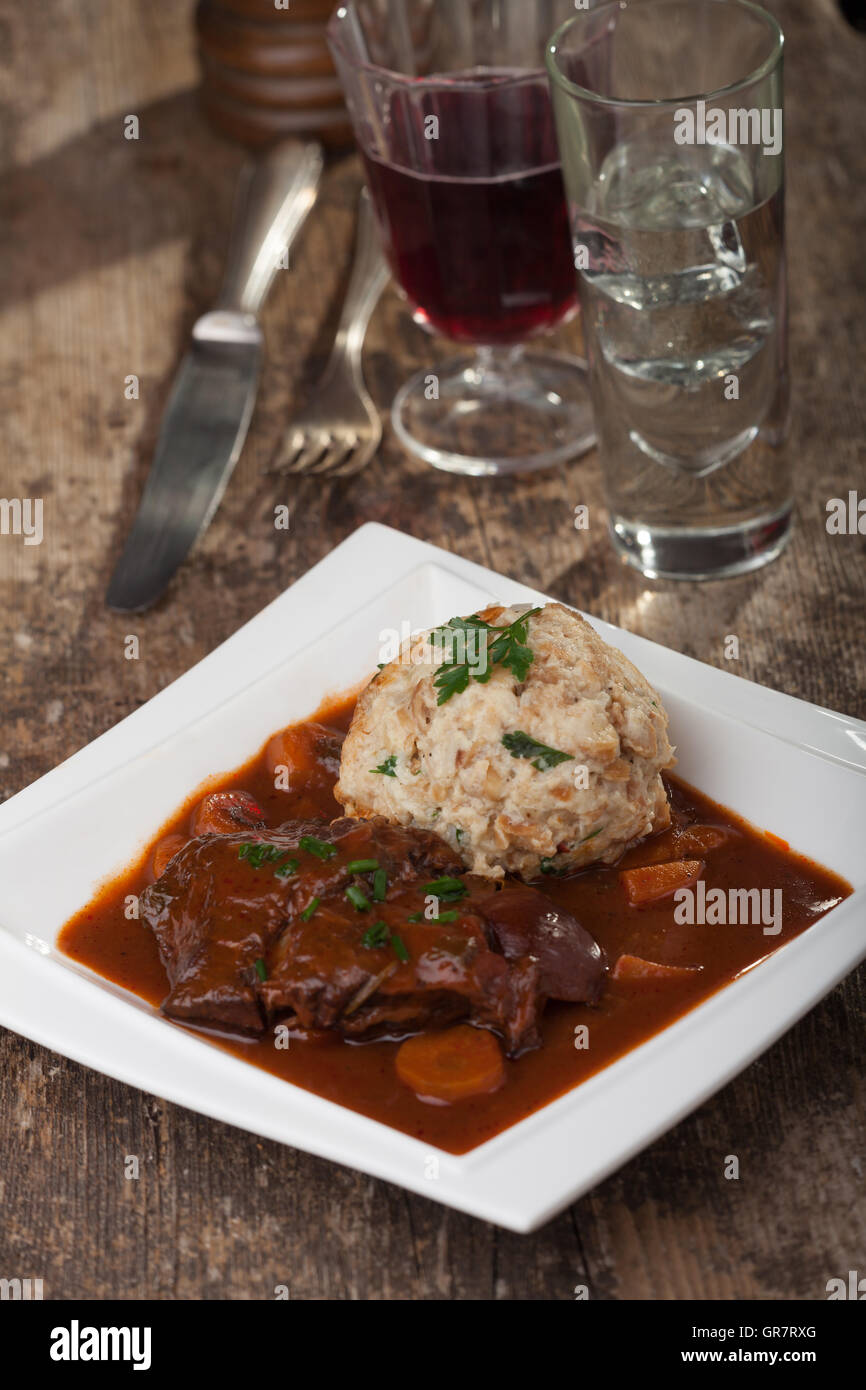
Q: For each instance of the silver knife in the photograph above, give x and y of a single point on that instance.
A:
(209, 410)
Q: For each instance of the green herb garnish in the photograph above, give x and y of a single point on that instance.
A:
(380, 885)
(376, 936)
(261, 969)
(256, 854)
(361, 866)
(320, 848)
(505, 646)
(386, 768)
(287, 868)
(380, 935)
(548, 866)
(521, 745)
(450, 890)
(452, 680)
(310, 908)
(358, 898)
(450, 916)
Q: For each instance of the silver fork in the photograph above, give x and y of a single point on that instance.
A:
(339, 430)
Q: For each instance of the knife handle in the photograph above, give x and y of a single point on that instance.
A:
(275, 193)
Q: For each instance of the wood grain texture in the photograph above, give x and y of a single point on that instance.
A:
(108, 250)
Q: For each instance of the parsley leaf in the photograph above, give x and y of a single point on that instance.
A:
(386, 768)
(451, 680)
(505, 646)
(521, 745)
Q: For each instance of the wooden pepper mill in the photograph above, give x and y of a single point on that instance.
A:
(267, 72)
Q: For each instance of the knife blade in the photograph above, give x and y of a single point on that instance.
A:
(211, 403)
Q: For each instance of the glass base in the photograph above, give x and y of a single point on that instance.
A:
(683, 553)
(503, 410)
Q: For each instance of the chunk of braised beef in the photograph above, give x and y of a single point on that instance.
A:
(524, 922)
(322, 971)
(254, 929)
(219, 904)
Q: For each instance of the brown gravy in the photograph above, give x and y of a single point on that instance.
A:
(363, 1077)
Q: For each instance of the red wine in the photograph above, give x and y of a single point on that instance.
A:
(484, 255)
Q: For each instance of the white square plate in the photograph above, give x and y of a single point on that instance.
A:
(787, 766)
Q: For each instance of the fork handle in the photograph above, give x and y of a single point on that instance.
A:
(275, 193)
(369, 277)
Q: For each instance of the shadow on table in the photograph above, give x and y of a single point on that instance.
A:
(100, 199)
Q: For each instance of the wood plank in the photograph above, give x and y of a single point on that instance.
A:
(108, 250)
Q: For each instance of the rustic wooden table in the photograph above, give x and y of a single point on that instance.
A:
(109, 248)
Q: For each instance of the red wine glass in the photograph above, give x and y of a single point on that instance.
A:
(451, 109)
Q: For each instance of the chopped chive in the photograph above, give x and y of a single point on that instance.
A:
(361, 866)
(256, 853)
(376, 936)
(380, 885)
(443, 917)
(548, 866)
(358, 898)
(261, 969)
(310, 908)
(399, 948)
(416, 917)
(448, 889)
(320, 848)
(287, 868)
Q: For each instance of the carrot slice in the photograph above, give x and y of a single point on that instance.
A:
(223, 813)
(451, 1066)
(634, 970)
(654, 881)
(303, 753)
(165, 851)
(674, 844)
(697, 839)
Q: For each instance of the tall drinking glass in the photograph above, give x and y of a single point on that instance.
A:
(669, 114)
(451, 108)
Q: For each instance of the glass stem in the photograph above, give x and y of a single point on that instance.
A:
(496, 366)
